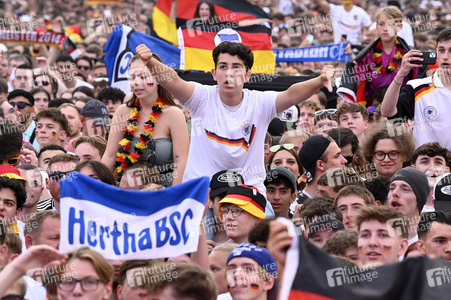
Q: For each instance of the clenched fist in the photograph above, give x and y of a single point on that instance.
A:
(144, 53)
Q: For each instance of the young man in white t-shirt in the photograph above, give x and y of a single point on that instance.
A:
(229, 123)
(348, 20)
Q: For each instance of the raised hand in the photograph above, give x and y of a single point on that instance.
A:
(328, 77)
(144, 53)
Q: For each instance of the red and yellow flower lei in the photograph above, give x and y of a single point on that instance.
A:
(394, 63)
(125, 157)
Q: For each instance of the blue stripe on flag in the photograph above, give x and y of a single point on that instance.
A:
(140, 203)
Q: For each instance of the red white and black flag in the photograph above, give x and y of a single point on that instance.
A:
(312, 274)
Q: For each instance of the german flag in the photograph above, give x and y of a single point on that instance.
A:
(312, 274)
(226, 10)
(198, 41)
(162, 23)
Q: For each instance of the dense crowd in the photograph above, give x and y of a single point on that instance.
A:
(354, 154)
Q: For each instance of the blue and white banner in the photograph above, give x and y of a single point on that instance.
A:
(120, 48)
(333, 52)
(125, 224)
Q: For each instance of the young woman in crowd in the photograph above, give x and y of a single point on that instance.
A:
(155, 129)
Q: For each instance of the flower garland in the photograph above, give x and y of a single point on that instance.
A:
(394, 63)
(125, 157)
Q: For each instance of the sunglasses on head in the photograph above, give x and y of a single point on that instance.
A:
(44, 83)
(10, 161)
(330, 111)
(20, 104)
(276, 148)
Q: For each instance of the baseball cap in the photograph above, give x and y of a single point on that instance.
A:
(98, 111)
(311, 151)
(442, 193)
(261, 255)
(224, 180)
(248, 198)
(273, 174)
(10, 172)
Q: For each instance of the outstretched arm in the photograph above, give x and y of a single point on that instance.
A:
(324, 6)
(388, 108)
(42, 256)
(303, 90)
(165, 76)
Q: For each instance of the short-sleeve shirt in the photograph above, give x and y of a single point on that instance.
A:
(229, 138)
(349, 23)
(428, 102)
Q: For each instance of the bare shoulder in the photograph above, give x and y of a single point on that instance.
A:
(173, 111)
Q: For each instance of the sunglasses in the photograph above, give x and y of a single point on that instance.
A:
(44, 83)
(86, 68)
(11, 161)
(58, 175)
(20, 104)
(329, 111)
(99, 79)
(276, 148)
(12, 297)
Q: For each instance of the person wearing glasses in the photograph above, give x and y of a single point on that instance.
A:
(285, 156)
(389, 148)
(8, 112)
(47, 82)
(94, 276)
(84, 66)
(325, 119)
(23, 101)
(67, 69)
(240, 210)
(59, 166)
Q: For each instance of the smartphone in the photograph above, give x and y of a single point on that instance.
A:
(429, 58)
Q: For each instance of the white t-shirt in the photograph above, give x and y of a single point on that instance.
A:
(349, 23)
(229, 138)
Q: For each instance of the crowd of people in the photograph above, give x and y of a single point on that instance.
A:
(345, 153)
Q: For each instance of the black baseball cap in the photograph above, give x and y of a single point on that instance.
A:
(224, 180)
(442, 193)
(311, 151)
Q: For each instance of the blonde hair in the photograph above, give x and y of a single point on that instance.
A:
(392, 12)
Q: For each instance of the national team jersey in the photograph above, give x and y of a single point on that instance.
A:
(349, 23)
(428, 103)
(229, 138)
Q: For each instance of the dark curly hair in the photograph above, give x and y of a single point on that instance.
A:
(17, 187)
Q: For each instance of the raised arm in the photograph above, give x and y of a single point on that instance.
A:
(303, 90)
(388, 108)
(324, 6)
(41, 256)
(165, 75)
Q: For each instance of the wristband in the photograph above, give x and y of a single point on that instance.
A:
(397, 82)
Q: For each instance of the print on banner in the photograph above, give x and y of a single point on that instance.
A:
(227, 35)
(121, 71)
